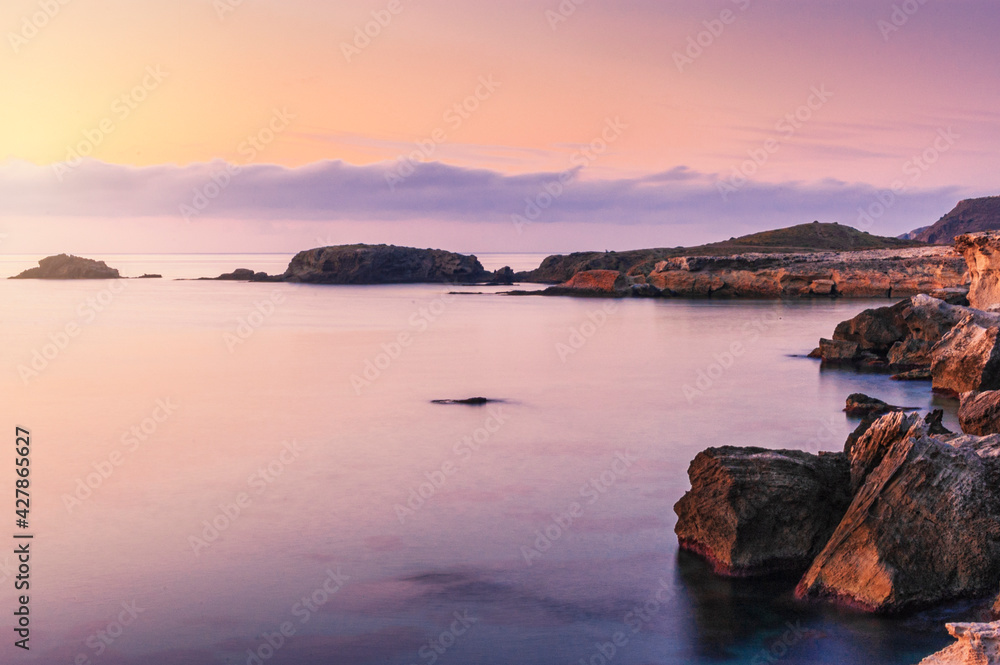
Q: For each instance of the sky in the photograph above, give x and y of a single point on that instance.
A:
(511, 125)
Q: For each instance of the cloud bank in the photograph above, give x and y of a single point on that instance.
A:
(337, 191)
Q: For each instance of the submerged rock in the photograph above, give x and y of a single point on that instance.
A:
(65, 266)
(474, 401)
(921, 374)
(978, 644)
(752, 511)
(247, 275)
(979, 412)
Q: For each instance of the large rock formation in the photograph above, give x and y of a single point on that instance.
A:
(752, 511)
(923, 527)
(65, 266)
(864, 274)
(969, 216)
(979, 413)
(383, 264)
(978, 644)
(982, 255)
(906, 335)
(967, 358)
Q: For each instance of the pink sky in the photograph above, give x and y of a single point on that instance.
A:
(513, 125)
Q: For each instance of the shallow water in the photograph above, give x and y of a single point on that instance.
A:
(586, 383)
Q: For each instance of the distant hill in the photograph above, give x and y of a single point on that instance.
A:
(968, 216)
(815, 237)
(914, 234)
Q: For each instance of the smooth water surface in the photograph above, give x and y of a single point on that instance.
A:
(217, 453)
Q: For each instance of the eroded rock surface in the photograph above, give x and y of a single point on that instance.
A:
(923, 526)
(982, 255)
(978, 644)
(753, 511)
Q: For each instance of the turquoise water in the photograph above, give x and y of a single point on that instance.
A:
(233, 460)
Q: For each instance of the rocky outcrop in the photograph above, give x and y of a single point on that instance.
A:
(65, 266)
(979, 413)
(867, 274)
(982, 255)
(752, 511)
(859, 404)
(905, 335)
(596, 283)
(247, 275)
(923, 527)
(978, 644)
(967, 358)
(768, 275)
(383, 264)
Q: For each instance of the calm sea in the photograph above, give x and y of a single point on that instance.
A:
(255, 473)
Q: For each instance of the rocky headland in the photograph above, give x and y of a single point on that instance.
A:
(65, 266)
(907, 515)
(809, 260)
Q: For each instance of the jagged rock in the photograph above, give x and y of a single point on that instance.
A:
(504, 276)
(754, 511)
(996, 607)
(911, 352)
(923, 527)
(956, 295)
(868, 450)
(967, 358)
(382, 264)
(859, 404)
(65, 266)
(922, 374)
(978, 644)
(979, 412)
(935, 423)
(929, 319)
(981, 255)
(904, 334)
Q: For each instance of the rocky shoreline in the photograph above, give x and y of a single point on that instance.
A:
(907, 516)
(882, 273)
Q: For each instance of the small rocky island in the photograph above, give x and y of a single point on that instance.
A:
(907, 516)
(378, 264)
(65, 266)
